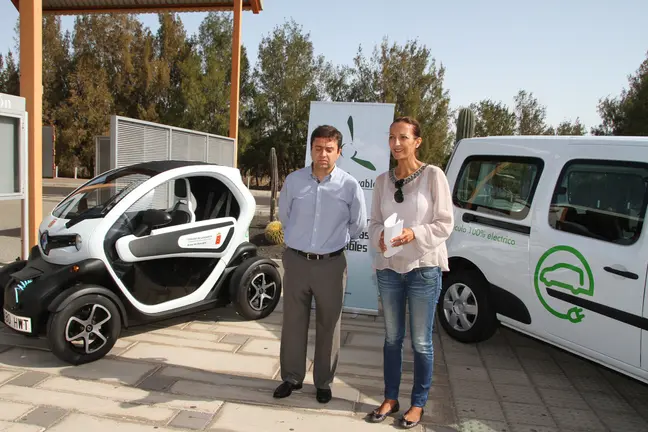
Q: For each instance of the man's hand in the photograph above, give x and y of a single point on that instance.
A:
(406, 237)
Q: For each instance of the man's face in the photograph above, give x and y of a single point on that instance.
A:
(325, 152)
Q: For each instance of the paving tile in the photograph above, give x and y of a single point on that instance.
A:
(4, 348)
(640, 405)
(130, 395)
(157, 382)
(501, 362)
(555, 381)
(527, 353)
(364, 340)
(13, 410)
(29, 379)
(531, 428)
(467, 373)
(235, 339)
(304, 398)
(496, 348)
(607, 402)
(260, 418)
(520, 394)
(527, 414)
(19, 427)
(630, 388)
(591, 384)
(191, 420)
(458, 359)
(6, 375)
(574, 419)
(623, 422)
(479, 410)
(562, 398)
(463, 389)
(106, 369)
(206, 360)
(540, 366)
(580, 369)
(82, 422)
(511, 377)
(473, 425)
(175, 341)
(450, 345)
(43, 416)
(89, 404)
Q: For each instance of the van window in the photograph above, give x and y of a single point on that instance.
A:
(605, 200)
(500, 185)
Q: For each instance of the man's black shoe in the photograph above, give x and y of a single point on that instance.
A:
(285, 389)
(324, 395)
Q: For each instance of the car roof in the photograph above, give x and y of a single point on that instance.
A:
(161, 166)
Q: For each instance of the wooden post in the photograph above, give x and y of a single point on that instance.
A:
(31, 88)
(236, 77)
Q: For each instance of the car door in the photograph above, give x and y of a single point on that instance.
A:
(188, 234)
(589, 254)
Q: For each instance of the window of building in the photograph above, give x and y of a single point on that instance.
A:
(498, 185)
(605, 200)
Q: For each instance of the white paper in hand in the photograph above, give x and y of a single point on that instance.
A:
(393, 228)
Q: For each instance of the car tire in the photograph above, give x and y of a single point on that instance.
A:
(466, 293)
(252, 292)
(70, 325)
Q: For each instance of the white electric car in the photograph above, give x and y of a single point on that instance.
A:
(550, 240)
(136, 244)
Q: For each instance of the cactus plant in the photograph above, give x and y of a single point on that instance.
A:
(274, 232)
(274, 178)
(465, 124)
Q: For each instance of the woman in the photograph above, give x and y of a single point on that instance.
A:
(419, 194)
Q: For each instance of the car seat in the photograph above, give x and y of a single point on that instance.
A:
(185, 203)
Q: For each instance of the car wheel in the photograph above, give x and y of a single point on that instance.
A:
(85, 330)
(464, 308)
(259, 292)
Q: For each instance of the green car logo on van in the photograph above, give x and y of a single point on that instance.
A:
(563, 268)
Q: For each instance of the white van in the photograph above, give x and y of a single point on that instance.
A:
(549, 240)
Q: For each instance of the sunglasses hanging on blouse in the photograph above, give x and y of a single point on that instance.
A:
(398, 195)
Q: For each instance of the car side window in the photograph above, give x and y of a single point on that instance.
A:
(498, 185)
(604, 200)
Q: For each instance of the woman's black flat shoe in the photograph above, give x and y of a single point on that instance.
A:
(406, 424)
(376, 417)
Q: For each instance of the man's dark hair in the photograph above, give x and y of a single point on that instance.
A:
(326, 131)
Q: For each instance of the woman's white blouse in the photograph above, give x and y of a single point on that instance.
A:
(426, 209)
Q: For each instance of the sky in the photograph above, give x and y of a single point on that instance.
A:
(568, 53)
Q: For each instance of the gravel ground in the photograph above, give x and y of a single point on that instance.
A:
(257, 237)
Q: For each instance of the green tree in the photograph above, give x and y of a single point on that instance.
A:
(287, 78)
(571, 128)
(626, 114)
(530, 114)
(9, 75)
(408, 76)
(493, 119)
(57, 65)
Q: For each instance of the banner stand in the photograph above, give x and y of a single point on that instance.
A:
(365, 155)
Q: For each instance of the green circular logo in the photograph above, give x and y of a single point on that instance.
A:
(563, 268)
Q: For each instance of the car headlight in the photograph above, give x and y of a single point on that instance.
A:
(78, 241)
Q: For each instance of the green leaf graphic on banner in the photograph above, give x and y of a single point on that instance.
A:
(350, 124)
(362, 162)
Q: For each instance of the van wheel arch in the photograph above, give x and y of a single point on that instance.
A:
(466, 275)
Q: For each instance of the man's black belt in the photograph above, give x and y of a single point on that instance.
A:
(312, 256)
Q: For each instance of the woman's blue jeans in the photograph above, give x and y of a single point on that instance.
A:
(420, 288)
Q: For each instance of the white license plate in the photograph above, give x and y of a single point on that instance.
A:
(17, 323)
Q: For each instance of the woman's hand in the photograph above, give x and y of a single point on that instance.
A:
(406, 237)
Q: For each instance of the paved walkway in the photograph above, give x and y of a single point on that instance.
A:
(214, 372)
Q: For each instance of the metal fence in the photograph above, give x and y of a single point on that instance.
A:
(133, 141)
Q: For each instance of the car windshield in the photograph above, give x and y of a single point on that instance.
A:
(97, 197)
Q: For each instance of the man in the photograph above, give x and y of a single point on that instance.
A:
(321, 208)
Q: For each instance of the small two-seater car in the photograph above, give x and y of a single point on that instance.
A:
(138, 244)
